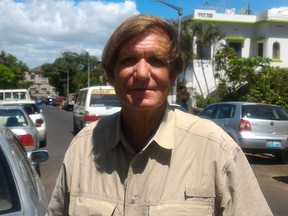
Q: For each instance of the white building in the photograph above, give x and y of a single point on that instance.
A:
(264, 34)
(41, 86)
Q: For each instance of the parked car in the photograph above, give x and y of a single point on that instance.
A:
(38, 101)
(177, 106)
(68, 105)
(58, 100)
(35, 114)
(256, 127)
(18, 121)
(49, 101)
(14, 94)
(21, 189)
(92, 103)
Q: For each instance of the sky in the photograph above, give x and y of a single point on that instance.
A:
(39, 31)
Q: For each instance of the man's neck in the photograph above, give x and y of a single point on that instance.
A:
(138, 126)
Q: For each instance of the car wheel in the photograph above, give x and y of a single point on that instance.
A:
(43, 143)
(282, 156)
(75, 129)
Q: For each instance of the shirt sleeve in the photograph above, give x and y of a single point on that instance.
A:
(59, 203)
(241, 192)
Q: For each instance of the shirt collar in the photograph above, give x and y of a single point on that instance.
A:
(164, 136)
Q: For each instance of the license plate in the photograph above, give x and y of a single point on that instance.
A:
(273, 144)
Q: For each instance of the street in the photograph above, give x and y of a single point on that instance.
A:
(271, 175)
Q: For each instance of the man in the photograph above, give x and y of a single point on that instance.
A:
(149, 159)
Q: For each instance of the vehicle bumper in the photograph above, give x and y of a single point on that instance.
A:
(271, 143)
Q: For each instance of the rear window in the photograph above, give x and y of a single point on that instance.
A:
(264, 112)
(104, 100)
(31, 109)
(13, 118)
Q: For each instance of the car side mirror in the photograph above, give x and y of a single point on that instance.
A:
(39, 156)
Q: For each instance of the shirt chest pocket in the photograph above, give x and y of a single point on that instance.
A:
(198, 202)
(91, 207)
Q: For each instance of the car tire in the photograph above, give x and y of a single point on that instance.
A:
(43, 143)
(282, 156)
(75, 129)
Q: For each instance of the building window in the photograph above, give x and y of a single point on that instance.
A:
(260, 49)
(32, 76)
(33, 90)
(276, 51)
(43, 90)
(237, 46)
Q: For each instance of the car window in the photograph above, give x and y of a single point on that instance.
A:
(209, 112)
(31, 109)
(12, 117)
(225, 111)
(83, 98)
(9, 198)
(104, 100)
(264, 112)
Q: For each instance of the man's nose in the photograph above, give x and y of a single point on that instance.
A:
(142, 70)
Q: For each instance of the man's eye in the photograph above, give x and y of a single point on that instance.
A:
(156, 62)
(128, 61)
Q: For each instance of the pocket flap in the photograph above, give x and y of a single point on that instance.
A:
(200, 192)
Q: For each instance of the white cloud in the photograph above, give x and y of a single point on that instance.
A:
(38, 31)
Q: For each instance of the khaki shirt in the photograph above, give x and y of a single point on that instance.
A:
(189, 167)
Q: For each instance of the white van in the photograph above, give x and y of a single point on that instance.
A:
(92, 103)
(14, 94)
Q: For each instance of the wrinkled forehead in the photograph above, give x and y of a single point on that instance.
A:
(152, 37)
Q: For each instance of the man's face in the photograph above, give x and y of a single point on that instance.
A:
(142, 77)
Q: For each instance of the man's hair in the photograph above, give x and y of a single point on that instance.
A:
(139, 25)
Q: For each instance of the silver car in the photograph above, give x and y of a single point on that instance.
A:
(256, 127)
(35, 114)
(18, 121)
(21, 190)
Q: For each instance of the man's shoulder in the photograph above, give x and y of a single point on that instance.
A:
(203, 129)
(192, 123)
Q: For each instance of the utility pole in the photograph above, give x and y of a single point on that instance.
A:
(180, 10)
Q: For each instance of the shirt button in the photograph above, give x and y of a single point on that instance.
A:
(132, 200)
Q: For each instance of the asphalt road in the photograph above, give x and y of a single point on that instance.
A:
(271, 175)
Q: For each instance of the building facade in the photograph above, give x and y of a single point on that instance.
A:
(264, 34)
(41, 87)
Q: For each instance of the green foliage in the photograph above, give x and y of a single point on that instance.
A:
(251, 79)
(77, 65)
(7, 77)
(203, 102)
(12, 72)
(182, 92)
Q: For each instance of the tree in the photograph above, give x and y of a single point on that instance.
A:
(203, 35)
(187, 48)
(77, 67)
(17, 80)
(251, 79)
(7, 77)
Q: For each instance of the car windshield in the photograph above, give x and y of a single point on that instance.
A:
(12, 118)
(104, 100)
(31, 109)
(264, 112)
